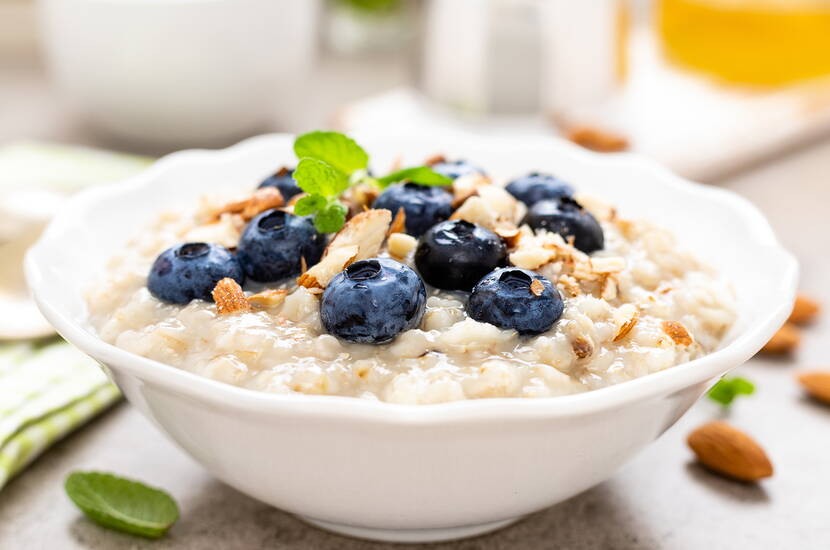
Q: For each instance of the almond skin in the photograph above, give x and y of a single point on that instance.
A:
(817, 384)
(784, 341)
(730, 452)
(805, 310)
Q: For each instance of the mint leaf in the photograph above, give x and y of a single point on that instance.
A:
(316, 177)
(309, 205)
(423, 175)
(338, 151)
(331, 218)
(727, 389)
(122, 504)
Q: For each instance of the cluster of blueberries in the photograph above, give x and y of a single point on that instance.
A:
(373, 300)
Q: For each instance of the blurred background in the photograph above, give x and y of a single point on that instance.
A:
(704, 86)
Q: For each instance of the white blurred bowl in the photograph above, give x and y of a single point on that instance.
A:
(415, 473)
(180, 72)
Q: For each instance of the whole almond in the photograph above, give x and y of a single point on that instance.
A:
(817, 384)
(784, 341)
(729, 452)
(805, 310)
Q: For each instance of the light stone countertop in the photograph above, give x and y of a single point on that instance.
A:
(661, 500)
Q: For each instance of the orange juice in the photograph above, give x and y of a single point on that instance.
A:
(755, 42)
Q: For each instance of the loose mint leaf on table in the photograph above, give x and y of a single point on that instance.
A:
(338, 151)
(727, 389)
(423, 175)
(122, 504)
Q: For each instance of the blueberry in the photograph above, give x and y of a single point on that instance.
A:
(274, 243)
(536, 187)
(454, 255)
(455, 169)
(567, 217)
(372, 301)
(283, 180)
(189, 271)
(424, 205)
(506, 299)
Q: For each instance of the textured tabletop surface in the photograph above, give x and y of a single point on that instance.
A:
(659, 500)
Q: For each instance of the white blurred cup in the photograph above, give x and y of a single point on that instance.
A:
(180, 72)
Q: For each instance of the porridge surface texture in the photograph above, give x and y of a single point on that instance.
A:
(638, 306)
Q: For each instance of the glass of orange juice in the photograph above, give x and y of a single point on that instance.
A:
(749, 42)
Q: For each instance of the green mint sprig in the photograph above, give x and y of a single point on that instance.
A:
(727, 389)
(330, 163)
(122, 504)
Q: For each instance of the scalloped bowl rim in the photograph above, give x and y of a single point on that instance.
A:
(669, 380)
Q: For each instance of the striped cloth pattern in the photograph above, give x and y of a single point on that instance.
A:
(46, 391)
(48, 388)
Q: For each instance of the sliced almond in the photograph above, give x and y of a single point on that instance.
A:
(400, 245)
(399, 223)
(476, 210)
(262, 199)
(509, 233)
(785, 340)
(268, 298)
(360, 238)
(435, 159)
(627, 326)
(536, 287)
(805, 310)
(334, 262)
(817, 384)
(229, 297)
(730, 452)
(678, 333)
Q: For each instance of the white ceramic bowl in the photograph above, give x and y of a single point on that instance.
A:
(180, 72)
(414, 473)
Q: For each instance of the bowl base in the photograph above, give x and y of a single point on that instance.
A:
(410, 535)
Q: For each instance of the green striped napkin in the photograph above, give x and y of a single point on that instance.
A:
(48, 388)
(46, 391)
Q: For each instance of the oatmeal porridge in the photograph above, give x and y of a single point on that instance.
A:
(427, 294)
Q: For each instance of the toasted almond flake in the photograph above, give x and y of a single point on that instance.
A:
(303, 265)
(785, 340)
(570, 285)
(400, 245)
(805, 310)
(536, 287)
(582, 348)
(229, 297)
(435, 159)
(510, 234)
(817, 384)
(399, 223)
(268, 298)
(261, 200)
(596, 139)
(503, 204)
(335, 261)
(607, 265)
(627, 326)
(475, 210)
(609, 288)
(730, 452)
(367, 230)
(678, 333)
